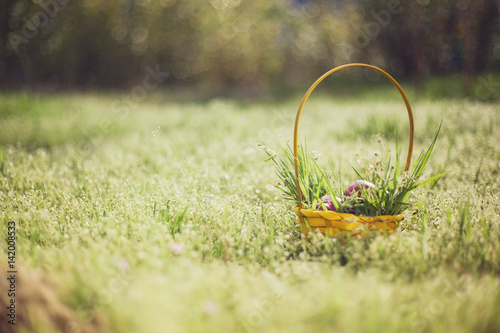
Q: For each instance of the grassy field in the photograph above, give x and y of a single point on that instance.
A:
(161, 217)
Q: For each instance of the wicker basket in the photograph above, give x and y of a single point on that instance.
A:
(333, 223)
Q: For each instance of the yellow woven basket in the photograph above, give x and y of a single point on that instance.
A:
(333, 223)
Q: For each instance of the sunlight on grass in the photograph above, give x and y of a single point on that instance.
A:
(166, 218)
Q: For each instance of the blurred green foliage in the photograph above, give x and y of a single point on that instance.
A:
(249, 46)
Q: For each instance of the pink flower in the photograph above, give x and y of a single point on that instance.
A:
(125, 265)
(210, 307)
(177, 248)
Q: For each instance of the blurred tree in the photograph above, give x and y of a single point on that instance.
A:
(475, 26)
(437, 37)
(245, 45)
(8, 59)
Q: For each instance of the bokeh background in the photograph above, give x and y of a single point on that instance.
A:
(242, 46)
(130, 164)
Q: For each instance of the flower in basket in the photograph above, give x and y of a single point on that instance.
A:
(383, 190)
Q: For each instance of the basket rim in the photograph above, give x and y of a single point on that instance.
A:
(331, 215)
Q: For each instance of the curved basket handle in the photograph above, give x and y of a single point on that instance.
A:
(318, 81)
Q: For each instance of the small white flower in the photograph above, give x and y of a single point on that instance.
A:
(315, 155)
(156, 131)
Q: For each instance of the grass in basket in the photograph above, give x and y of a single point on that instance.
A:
(389, 197)
(314, 181)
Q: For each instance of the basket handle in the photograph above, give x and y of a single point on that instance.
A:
(318, 81)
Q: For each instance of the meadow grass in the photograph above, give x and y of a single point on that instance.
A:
(164, 218)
